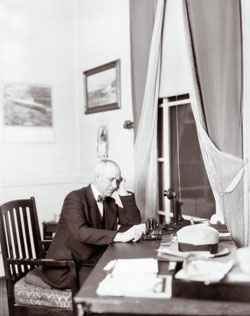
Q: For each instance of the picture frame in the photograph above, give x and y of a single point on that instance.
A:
(27, 104)
(27, 112)
(102, 88)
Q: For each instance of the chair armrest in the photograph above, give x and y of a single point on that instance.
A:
(49, 263)
(43, 262)
(45, 246)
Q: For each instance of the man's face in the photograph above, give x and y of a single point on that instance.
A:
(108, 180)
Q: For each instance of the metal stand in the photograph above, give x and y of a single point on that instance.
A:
(177, 221)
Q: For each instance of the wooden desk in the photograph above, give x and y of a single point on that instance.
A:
(87, 299)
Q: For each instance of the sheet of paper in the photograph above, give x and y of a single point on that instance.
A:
(148, 265)
(136, 285)
(205, 271)
(136, 278)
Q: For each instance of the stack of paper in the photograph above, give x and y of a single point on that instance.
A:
(148, 265)
(136, 278)
(205, 271)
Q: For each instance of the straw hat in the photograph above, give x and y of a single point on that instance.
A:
(198, 237)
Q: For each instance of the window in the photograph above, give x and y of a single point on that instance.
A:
(180, 163)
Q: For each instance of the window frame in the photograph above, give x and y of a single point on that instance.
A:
(165, 105)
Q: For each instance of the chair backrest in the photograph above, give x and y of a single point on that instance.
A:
(22, 251)
(20, 236)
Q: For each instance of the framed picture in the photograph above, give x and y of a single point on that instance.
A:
(102, 140)
(27, 112)
(27, 104)
(102, 87)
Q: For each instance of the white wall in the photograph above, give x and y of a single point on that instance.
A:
(38, 46)
(104, 36)
(51, 42)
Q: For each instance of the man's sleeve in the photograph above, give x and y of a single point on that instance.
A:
(74, 215)
(129, 214)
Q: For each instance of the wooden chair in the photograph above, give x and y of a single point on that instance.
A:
(22, 251)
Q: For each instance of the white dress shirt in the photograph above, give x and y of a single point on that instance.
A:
(96, 195)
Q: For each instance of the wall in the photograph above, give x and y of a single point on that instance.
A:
(103, 33)
(51, 42)
(38, 46)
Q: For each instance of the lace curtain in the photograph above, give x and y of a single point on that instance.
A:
(216, 66)
(213, 39)
(146, 186)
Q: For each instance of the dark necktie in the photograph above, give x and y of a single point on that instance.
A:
(100, 198)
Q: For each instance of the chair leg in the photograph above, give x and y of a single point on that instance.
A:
(11, 310)
(75, 310)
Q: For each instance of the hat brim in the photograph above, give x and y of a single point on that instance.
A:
(172, 253)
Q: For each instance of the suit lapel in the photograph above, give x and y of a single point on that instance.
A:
(94, 213)
(110, 214)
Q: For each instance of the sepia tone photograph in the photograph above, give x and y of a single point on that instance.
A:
(124, 157)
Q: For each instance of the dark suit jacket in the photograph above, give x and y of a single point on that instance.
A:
(80, 233)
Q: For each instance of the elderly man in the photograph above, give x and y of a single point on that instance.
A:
(89, 221)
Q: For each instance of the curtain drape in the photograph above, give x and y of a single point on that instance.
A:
(142, 14)
(146, 187)
(213, 30)
(213, 38)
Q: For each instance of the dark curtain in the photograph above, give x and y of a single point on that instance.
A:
(215, 27)
(142, 13)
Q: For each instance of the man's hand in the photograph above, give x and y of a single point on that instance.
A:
(121, 189)
(133, 234)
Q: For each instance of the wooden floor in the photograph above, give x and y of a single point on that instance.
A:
(3, 298)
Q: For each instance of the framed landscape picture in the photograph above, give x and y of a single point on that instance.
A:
(27, 112)
(102, 88)
(27, 104)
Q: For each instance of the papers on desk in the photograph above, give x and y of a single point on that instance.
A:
(135, 278)
(147, 265)
(205, 271)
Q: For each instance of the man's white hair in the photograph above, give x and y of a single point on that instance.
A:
(103, 164)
